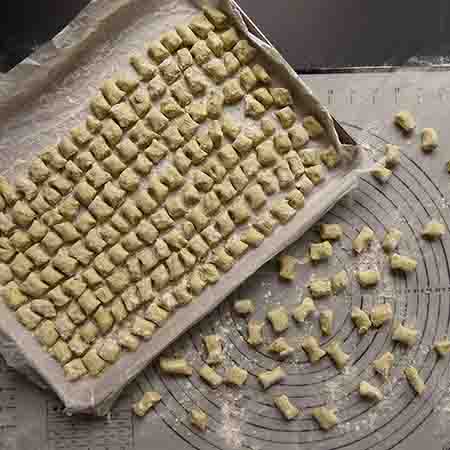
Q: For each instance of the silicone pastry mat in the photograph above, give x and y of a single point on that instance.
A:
(117, 303)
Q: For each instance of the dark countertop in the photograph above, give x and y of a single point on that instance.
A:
(311, 34)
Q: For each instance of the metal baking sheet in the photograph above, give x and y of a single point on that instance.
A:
(63, 104)
(32, 419)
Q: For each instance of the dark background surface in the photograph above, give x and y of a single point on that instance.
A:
(310, 33)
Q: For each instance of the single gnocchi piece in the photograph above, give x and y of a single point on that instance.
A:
(361, 320)
(232, 92)
(271, 377)
(313, 127)
(384, 364)
(430, 140)
(415, 380)
(208, 374)
(370, 392)
(175, 366)
(288, 265)
(214, 348)
(255, 332)
(199, 419)
(286, 408)
(312, 349)
(235, 376)
(403, 263)
(381, 173)
(286, 116)
(146, 402)
(279, 319)
(326, 319)
(405, 335)
(391, 156)
(281, 346)
(339, 281)
(363, 240)
(244, 307)
(405, 121)
(368, 278)
(304, 310)
(335, 352)
(322, 250)
(325, 417)
(320, 287)
(381, 314)
(442, 347)
(433, 230)
(391, 240)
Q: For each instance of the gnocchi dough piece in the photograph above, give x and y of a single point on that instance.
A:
(295, 164)
(325, 417)
(199, 419)
(74, 369)
(253, 108)
(252, 237)
(331, 232)
(261, 74)
(405, 335)
(229, 38)
(184, 59)
(255, 196)
(247, 79)
(208, 374)
(175, 366)
(201, 26)
(187, 35)
(368, 278)
(146, 402)
(304, 310)
(170, 108)
(244, 307)
(263, 96)
(266, 153)
(311, 347)
(239, 212)
(391, 156)
(320, 251)
(201, 53)
(391, 240)
(320, 287)
(215, 104)
(381, 314)
(286, 408)
(279, 319)
(215, 43)
(315, 174)
(326, 319)
(111, 132)
(361, 320)
(313, 127)
(381, 173)
(370, 392)
(330, 157)
(199, 113)
(384, 364)
(156, 314)
(171, 40)
(124, 115)
(281, 346)
(232, 64)
(213, 345)
(112, 92)
(93, 362)
(216, 70)
(284, 174)
(282, 211)
(268, 181)
(217, 17)
(282, 97)
(288, 266)
(433, 230)
(222, 259)
(363, 240)
(255, 332)
(271, 377)
(143, 328)
(99, 106)
(405, 121)
(403, 263)
(244, 52)
(286, 116)
(232, 92)
(335, 352)
(268, 126)
(215, 132)
(236, 247)
(415, 380)
(442, 347)
(143, 67)
(195, 80)
(157, 52)
(235, 376)
(156, 88)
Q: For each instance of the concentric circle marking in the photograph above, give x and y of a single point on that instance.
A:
(246, 418)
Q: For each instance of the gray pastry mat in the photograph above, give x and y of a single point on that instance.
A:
(246, 419)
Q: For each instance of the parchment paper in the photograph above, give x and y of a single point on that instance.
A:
(50, 97)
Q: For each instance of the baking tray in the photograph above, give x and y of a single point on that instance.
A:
(91, 395)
